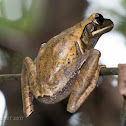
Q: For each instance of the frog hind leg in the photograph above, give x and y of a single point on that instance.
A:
(27, 77)
(86, 81)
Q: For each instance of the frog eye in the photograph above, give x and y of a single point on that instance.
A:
(98, 19)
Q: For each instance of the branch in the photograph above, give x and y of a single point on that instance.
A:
(103, 72)
(108, 71)
(10, 76)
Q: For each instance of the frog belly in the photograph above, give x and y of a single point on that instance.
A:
(60, 95)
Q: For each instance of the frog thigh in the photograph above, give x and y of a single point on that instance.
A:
(85, 82)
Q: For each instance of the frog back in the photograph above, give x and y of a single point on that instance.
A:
(59, 53)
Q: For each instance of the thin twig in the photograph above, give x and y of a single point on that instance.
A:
(10, 76)
(109, 71)
(103, 72)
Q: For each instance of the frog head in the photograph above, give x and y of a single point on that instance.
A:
(93, 28)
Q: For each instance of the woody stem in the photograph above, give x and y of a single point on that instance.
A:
(103, 72)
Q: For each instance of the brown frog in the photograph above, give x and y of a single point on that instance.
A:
(66, 64)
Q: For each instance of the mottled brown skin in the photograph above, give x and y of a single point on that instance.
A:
(66, 64)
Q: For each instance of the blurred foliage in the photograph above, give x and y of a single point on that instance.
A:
(28, 18)
(3, 57)
(11, 60)
(26, 22)
(15, 63)
(122, 25)
(124, 3)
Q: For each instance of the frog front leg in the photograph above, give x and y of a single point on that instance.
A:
(27, 81)
(86, 81)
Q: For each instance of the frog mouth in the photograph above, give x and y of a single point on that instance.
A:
(106, 27)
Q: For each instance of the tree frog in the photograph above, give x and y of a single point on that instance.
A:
(66, 65)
